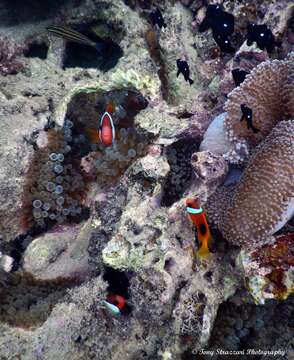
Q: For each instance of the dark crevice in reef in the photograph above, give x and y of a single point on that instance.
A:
(79, 55)
(118, 284)
(17, 247)
(180, 175)
(151, 37)
(36, 50)
(15, 12)
(26, 302)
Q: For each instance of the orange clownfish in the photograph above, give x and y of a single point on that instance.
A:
(117, 300)
(198, 217)
(106, 131)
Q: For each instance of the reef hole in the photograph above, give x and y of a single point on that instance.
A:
(104, 164)
(36, 50)
(151, 37)
(169, 264)
(180, 174)
(118, 284)
(107, 39)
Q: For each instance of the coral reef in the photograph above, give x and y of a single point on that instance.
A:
(270, 270)
(10, 54)
(84, 222)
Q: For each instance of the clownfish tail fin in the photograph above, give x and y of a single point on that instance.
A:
(204, 251)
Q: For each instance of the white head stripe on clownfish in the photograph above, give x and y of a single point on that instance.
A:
(111, 122)
(194, 211)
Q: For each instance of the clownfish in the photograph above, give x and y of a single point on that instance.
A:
(114, 304)
(106, 131)
(117, 301)
(198, 217)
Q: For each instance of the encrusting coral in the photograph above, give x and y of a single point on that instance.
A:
(263, 201)
(264, 91)
(9, 57)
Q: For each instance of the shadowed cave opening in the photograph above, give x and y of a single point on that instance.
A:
(37, 50)
(80, 55)
(118, 284)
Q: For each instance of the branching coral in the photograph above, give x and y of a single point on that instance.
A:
(9, 57)
(263, 201)
(264, 91)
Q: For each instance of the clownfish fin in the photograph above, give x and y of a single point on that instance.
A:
(204, 251)
(93, 135)
(110, 108)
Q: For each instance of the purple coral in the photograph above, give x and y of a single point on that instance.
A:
(9, 56)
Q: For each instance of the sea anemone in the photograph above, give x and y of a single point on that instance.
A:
(263, 200)
(267, 92)
(56, 185)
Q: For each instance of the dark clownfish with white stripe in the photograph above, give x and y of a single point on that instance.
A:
(198, 217)
(106, 130)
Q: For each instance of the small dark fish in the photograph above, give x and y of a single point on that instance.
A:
(224, 43)
(157, 18)
(222, 25)
(262, 35)
(74, 36)
(247, 115)
(239, 76)
(183, 68)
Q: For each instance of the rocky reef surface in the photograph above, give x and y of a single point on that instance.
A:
(82, 223)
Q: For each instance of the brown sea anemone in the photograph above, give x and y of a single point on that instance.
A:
(263, 200)
(268, 92)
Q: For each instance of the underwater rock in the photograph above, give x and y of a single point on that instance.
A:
(15, 156)
(209, 167)
(10, 57)
(176, 44)
(59, 254)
